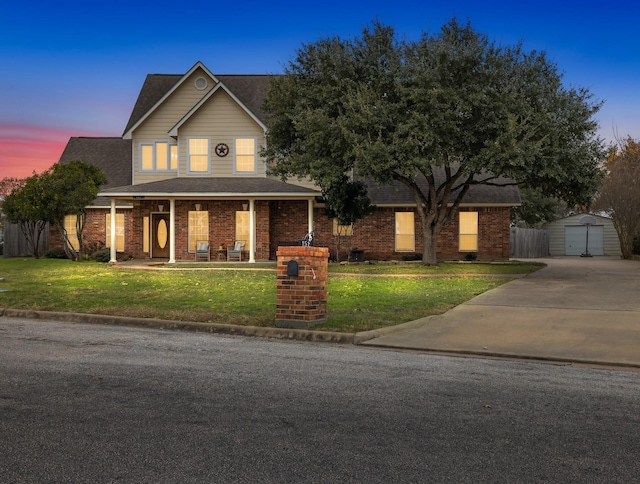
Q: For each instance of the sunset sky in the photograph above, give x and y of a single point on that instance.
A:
(71, 68)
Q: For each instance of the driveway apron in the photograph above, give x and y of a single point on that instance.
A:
(575, 309)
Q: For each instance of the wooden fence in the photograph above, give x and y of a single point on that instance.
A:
(15, 245)
(529, 243)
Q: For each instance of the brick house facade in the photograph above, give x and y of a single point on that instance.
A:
(191, 147)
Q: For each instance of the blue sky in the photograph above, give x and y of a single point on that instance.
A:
(71, 68)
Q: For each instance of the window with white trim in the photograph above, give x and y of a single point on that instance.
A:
(468, 232)
(198, 155)
(405, 232)
(245, 155)
(119, 232)
(198, 228)
(159, 156)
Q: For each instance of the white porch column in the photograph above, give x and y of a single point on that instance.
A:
(172, 231)
(252, 231)
(310, 215)
(112, 236)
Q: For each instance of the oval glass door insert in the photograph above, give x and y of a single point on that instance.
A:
(162, 233)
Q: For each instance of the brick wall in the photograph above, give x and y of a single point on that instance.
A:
(94, 234)
(286, 221)
(301, 299)
(376, 235)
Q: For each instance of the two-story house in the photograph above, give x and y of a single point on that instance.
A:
(188, 170)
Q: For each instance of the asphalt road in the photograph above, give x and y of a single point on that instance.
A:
(82, 403)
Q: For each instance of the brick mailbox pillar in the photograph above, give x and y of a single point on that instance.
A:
(301, 297)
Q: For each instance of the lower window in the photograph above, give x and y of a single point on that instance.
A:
(468, 232)
(198, 228)
(119, 232)
(70, 222)
(405, 232)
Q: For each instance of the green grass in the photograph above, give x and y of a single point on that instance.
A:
(237, 295)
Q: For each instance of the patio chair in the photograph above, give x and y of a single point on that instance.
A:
(202, 251)
(236, 253)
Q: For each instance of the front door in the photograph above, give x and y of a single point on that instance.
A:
(160, 235)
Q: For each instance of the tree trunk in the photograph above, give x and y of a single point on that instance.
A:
(429, 245)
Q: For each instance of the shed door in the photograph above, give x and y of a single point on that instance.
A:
(575, 239)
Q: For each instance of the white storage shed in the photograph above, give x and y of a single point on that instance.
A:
(568, 236)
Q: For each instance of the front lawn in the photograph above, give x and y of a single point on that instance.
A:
(356, 301)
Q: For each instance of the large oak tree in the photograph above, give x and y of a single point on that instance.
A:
(439, 114)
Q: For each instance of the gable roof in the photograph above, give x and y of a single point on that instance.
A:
(219, 86)
(111, 155)
(153, 89)
(248, 89)
(163, 96)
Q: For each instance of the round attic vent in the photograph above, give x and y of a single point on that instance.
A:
(201, 83)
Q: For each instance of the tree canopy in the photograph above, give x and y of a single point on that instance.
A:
(23, 205)
(64, 189)
(70, 188)
(619, 195)
(451, 105)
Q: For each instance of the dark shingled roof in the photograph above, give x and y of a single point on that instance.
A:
(249, 89)
(209, 186)
(154, 87)
(399, 194)
(111, 155)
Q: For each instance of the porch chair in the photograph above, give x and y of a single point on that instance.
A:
(236, 252)
(202, 251)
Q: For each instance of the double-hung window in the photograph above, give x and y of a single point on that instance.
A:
(242, 227)
(198, 228)
(405, 232)
(245, 155)
(159, 156)
(198, 155)
(468, 232)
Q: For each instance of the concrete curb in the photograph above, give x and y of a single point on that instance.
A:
(363, 336)
(264, 332)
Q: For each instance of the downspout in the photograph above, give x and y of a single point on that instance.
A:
(172, 231)
(112, 237)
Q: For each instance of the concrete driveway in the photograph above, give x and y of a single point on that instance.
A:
(584, 310)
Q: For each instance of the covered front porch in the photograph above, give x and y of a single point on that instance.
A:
(171, 224)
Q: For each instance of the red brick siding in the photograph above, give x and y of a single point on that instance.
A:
(301, 300)
(94, 234)
(286, 221)
(376, 235)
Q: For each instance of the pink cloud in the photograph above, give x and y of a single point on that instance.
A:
(25, 148)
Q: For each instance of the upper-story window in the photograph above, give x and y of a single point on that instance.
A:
(245, 155)
(198, 155)
(160, 156)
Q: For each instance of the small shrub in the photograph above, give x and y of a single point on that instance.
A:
(57, 253)
(471, 256)
(102, 255)
(410, 257)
